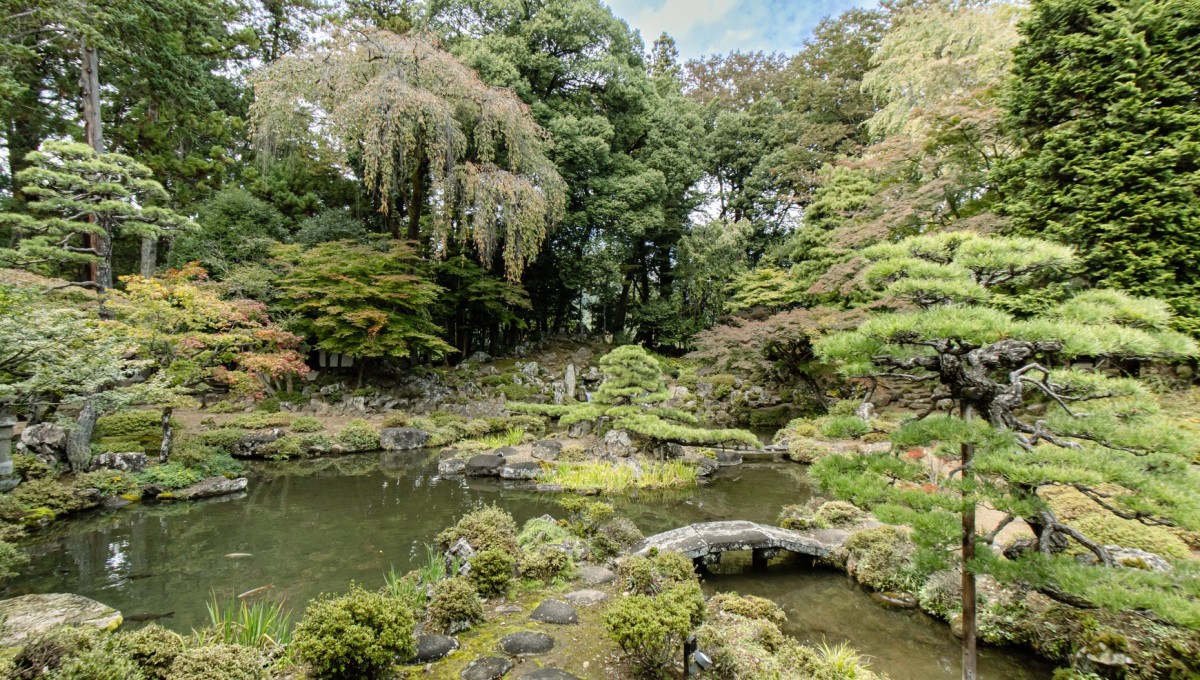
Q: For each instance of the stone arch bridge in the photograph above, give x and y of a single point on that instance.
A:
(705, 542)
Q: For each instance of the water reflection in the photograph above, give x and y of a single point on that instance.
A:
(307, 528)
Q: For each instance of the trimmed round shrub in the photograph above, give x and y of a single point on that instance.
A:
(540, 531)
(307, 424)
(219, 662)
(749, 606)
(651, 630)
(98, 663)
(839, 514)
(651, 574)
(397, 419)
(488, 528)
(356, 635)
(455, 605)
(546, 564)
(882, 558)
(358, 435)
(842, 427)
(287, 446)
(492, 572)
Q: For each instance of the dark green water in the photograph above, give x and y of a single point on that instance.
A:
(309, 528)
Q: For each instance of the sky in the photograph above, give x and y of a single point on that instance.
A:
(719, 26)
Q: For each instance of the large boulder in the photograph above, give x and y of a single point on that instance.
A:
(525, 470)
(580, 429)
(46, 441)
(547, 449)
(618, 443)
(451, 466)
(208, 488)
(251, 445)
(402, 438)
(484, 465)
(129, 461)
(29, 615)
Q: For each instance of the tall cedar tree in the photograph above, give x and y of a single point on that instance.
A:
(1097, 432)
(1104, 97)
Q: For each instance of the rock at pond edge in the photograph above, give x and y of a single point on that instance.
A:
(32, 614)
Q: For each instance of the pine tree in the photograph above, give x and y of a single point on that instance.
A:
(1104, 97)
(1100, 435)
(69, 183)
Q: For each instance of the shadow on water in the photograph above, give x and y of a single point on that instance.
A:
(312, 527)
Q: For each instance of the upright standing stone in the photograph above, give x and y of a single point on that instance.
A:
(569, 382)
(7, 479)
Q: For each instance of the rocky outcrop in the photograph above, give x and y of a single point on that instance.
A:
(402, 438)
(208, 488)
(546, 449)
(129, 461)
(484, 465)
(47, 441)
(525, 470)
(30, 615)
(251, 445)
(451, 466)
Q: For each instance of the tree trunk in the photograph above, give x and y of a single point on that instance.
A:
(79, 440)
(93, 132)
(417, 199)
(149, 255)
(168, 435)
(968, 553)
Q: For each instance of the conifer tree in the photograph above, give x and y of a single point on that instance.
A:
(631, 398)
(1104, 100)
(1099, 434)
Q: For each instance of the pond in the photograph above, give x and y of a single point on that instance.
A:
(312, 527)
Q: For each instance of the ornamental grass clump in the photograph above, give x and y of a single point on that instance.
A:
(632, 397)
(356, 635)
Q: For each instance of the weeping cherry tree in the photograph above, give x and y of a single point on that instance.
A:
(426, 135)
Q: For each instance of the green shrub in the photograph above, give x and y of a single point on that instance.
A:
(357, 635)
(48, 493)
(12, 560)
(615, 536)
(492, 572)
(546, 564)
(260, 421)
(287, 446)
(488, 528)
(573, 454)
(748, 606)
(358, 435)
(515, 392)
(654, 573)
(842, 427)
(651, 630)
(1108, 529)
(223, 439)
(838, 514)
(941, 594)
(796, 517)
(131, 425)
(268, 405)
(397, 419)
(108, 482)
(225, 406)
(540, 531)
(207, 460)
(32, 467)
(152, 648)
(219, 662)
(882, 558)
(170, 476)
(98, 663)
(844, 407)
(742, 647)
(455, 605)
(48, 649)
(310, 424)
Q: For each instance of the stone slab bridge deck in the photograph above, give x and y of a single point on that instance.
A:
(705, 542)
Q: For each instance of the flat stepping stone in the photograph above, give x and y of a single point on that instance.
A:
(556, 612)
(487, 668)
(596, 576)
(586, 598)
(434, 647)
(526, 643)
(29, 615)
(548, 674)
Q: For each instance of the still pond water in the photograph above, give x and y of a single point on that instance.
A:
(307, 528)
